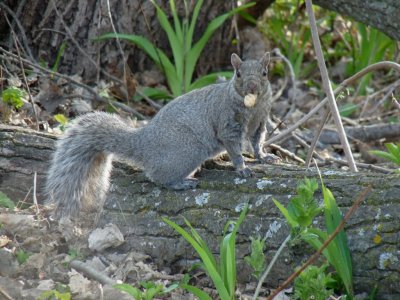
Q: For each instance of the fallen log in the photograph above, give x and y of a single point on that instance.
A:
(136, 206)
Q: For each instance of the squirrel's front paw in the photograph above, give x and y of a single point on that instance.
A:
(270, 159)
(245, 172)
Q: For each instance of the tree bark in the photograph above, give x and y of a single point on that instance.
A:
(43, 31)
(381, 14)
(80, 22)
(137, 205)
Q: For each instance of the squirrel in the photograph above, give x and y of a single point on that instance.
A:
(183, 134)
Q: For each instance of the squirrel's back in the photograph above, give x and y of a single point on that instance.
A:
(184, 133)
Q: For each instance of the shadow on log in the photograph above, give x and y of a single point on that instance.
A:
(136, 205)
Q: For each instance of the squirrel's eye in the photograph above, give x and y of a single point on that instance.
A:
(264, 73)
(238, 74)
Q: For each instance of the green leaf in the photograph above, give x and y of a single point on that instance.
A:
(5, 201)
(174, 42)
(347, 109)
(14, 96)
(292, 222)
(342, 261)
(209, 79)
(385, 155)
(205, 257)
(196, 291)
(22, 256)
(60, 118)
(153, 93)
(60, 53)
(134, 292)
(394, 151)
(195, 51)
(256, 259)
(156, 54)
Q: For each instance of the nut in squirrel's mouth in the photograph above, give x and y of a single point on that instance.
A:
(250, 100)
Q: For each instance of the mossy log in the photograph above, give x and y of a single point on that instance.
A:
(137, 205)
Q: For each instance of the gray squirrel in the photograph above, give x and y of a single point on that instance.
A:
(184, 133)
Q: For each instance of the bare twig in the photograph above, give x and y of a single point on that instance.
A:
(5, 294)
(11, 56)
(125, 90)
(24, 77)
(395, 102)
(315, 256)
(292, 77)
(21, 30)
(82, 51)
(268, 269)
(324, 119)
(341, 87)
(328, 88)
(91, 272)
(360, 165)
(287, 153)
(34, 194)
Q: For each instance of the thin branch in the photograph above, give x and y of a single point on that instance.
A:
(268, 269)
(34, 193)
(125, 90)
(315, 256)
(317, 135)
(11, 56)
(341, 87)
(328, 88)
(24, 76)
(91, 272)
(82, 51)
(21, 29)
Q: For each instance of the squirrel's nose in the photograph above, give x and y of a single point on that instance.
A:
(252, 86)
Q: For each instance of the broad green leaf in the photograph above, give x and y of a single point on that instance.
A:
(286, 214)
(174, 42)
(394, 150)
(195, 51)
(208, 263)
(156, 54)
(60, 118)
(134, 292)
(5, 201)
(153, 93)
(196, 291)
(209, 79)
(385, 155)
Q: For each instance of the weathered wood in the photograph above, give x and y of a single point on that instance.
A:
(136, 206)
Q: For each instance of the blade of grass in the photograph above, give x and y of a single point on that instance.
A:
(207, 261)
(209, 79)
(174, 42)
(194, 53)
(196, 291)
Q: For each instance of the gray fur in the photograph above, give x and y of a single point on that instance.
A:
(192, 128)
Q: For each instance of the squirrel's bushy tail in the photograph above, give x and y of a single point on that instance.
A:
(78, 178)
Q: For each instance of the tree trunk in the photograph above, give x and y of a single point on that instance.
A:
(85, 20)
(136, 205)
(381, 14)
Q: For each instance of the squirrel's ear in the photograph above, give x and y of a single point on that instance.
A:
(264, 61)
(235, 61)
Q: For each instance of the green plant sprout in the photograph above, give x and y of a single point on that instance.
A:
(179, 71)
(256, 259)
(314, 283)
(13, 96)
(148, 292)
(392, 155)
(301, 211)
(5, 201)
(222, 274)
